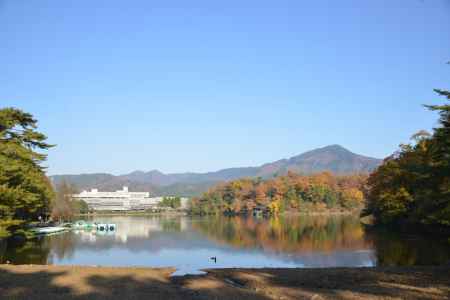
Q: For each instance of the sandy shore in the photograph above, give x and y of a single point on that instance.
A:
(75, 282)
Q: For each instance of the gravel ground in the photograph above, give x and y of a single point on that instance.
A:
(76, 282)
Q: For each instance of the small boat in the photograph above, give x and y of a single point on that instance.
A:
(48, 230)
(106, 227)
(80, 224)
(102, 227)
(83, 225)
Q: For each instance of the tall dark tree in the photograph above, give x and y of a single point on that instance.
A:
(439, 209)
(25, 191)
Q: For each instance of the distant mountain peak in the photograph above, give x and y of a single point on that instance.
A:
(157, 172)
(334, 147)
(137, 172)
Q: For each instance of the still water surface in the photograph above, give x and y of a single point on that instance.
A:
(189, 243)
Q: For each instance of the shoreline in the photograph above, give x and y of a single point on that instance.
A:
(186, 213)
(83, 282)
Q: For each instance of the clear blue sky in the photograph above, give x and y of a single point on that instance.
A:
(203, 85)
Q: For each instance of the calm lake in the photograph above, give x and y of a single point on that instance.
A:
(189, 243)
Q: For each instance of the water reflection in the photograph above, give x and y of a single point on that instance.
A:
(292, 235)
(188, 244)
(393, 249)
(133, 227)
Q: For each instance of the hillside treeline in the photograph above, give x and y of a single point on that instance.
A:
(288, 193)
(412, 186)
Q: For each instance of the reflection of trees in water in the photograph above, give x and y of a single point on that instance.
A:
(171, 225)
(3, 245)
(26, 252)
(324, 234)
(62, 245)
(38, 250)
(287, 234)
(393, 249)
(292, 235)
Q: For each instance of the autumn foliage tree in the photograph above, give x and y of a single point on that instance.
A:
(291, 192)
(413, 185)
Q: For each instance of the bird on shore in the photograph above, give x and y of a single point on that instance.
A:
(214, 259)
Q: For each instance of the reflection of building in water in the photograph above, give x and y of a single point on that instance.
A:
(120, 200)
(132, 227)
(142, 227)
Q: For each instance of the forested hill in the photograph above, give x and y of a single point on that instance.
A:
(334, 158)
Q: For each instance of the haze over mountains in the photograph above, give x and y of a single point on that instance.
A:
(334, 158)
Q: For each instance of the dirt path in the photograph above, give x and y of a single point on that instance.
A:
(67, 282)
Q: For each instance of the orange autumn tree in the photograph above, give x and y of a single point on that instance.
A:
(289, 193)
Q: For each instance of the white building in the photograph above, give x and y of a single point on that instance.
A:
(119, 200)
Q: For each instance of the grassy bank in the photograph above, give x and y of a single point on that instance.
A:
(72, 282)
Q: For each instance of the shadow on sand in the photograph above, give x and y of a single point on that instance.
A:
(60, 282)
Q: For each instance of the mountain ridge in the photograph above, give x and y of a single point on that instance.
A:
(333, 158)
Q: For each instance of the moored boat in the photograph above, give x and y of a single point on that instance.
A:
(103, 227)
(48, 230)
